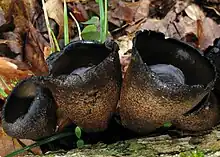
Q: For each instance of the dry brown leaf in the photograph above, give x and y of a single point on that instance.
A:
(47, 52)
(79, 12)
(77, 1)
(160, 8)
(34, 48)
(11, 69)
(32, 8)
(15, 46)
(140, 9)
(94, 7)
(194, 12)
(211, 31)
(2, 17)
(125, 45)
(122, 12)
(178, 26)
(55, 11)
(8, 145)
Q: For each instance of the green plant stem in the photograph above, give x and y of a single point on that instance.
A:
(41, 142)
(106, 20)
(66, 26)
(55, 40)
(4, 83)
(102, 20)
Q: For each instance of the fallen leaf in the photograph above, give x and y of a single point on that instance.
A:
(125, 45)
(122, 12)
(160, 8)
(33, 51)
(79, 12)
(5, 51)
(2, 17)
(194, 12)
(15, 46)
(180, 25)
(55, 11)
(142, 10)
(12, 71)
(46, 52)
(211, 31)
(4, 24)
(94, 7)
(8, 145)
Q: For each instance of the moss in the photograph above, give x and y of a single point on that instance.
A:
(207, 145)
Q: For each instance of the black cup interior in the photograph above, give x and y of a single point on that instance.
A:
(20, 101)
(78, 54)
(155, 49)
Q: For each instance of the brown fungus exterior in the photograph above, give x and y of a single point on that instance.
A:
(146, 102)
(84, 80)
(29, 112)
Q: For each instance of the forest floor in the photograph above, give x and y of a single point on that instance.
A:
(25, 45)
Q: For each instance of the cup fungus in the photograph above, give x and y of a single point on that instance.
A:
(166, 79)
(84, 79)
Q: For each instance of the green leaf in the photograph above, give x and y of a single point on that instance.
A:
(91, 36)
(89, 28)
(78, 132)
(167, 124)
(97, 1)
(90, 33)
(80, 143)
(66, 31)
(93, 21)
(2, 92)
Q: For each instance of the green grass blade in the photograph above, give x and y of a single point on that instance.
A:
(48, 26)
(55, 40)
(102, 20)
(66, 31)
(106, 21)
(3, 94)
(41, 142)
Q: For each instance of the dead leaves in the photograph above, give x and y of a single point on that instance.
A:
(8, 144)
(179, 26)
(55, 11)
(120, 12)
(34, 51)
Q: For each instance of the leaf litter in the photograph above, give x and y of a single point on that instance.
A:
(24, 40)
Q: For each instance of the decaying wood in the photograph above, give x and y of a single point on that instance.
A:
(163, 145)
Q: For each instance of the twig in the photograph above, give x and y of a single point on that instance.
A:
(77, 25)
(47, 24)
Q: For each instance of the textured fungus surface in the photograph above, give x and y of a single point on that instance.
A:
(29, 112)
(147, 102)
(86, 97)
(93, 95)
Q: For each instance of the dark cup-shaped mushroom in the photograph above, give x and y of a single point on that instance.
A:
(165, 79)
(202, 118)
(207, 113)
(85, 79)
(29, 112)
(213, 53)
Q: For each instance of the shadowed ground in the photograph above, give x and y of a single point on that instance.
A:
(162, 145)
